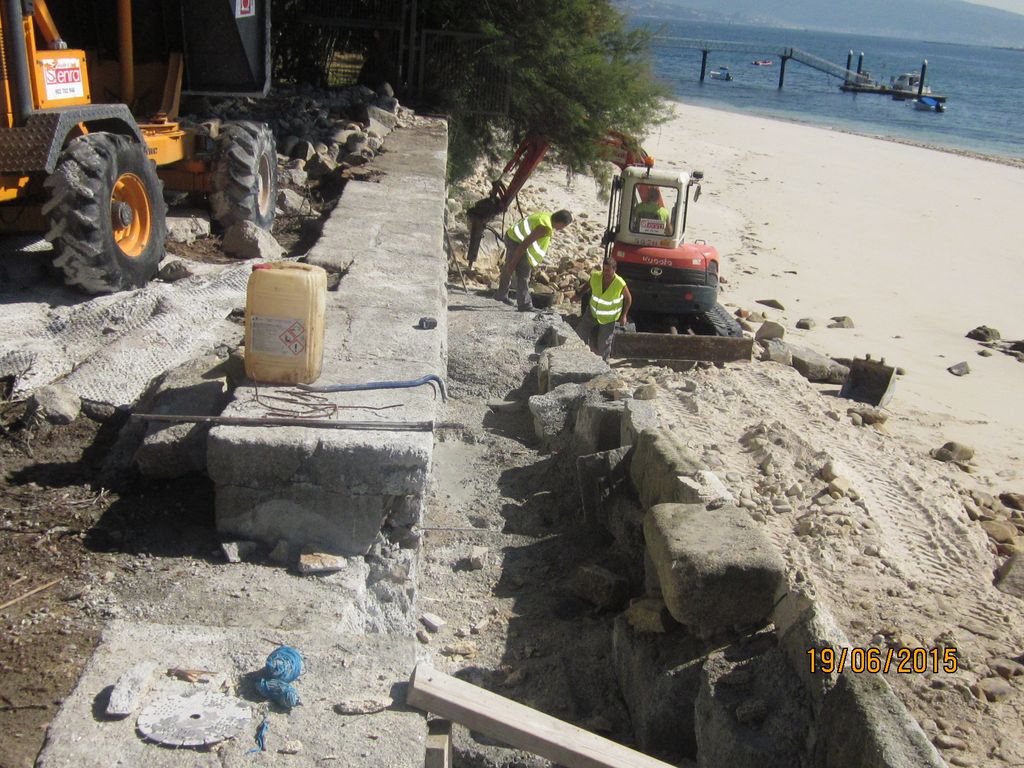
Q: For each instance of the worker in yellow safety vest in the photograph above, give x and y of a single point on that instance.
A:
(529, 238)
(609, 305)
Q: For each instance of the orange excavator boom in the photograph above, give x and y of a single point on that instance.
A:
(623, 151)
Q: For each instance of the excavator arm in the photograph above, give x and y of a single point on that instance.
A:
(623, 151)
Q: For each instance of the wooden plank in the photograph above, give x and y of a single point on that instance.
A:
(31, 592)
(666, 346)
(439, 744)
(517, 725)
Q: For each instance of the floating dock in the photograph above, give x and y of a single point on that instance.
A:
(885, 90)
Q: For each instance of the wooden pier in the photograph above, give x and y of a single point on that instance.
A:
(853, 81)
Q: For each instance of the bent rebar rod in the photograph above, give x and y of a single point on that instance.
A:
(428, 379)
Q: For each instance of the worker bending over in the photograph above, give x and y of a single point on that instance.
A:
(527, 238)
(609, 304)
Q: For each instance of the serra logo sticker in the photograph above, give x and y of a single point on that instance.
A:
(63, 79)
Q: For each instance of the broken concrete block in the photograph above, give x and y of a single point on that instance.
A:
(863, 723)
(432, 622)
(568, 365)
(598, 475)
(238, 551)
(599, 586)
(818, 368)
(1010, 578)
(554, 413)
(776, 351)
(770, 330)
(185, 226)
(716, 569)
(197, 388)
(477, 558)
(126, 697)
(598, 427)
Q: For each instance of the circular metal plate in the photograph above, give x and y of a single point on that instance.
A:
(204, 717)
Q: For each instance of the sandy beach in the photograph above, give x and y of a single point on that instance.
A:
(917, 246)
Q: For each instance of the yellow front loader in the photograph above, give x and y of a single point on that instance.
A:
(79, 166)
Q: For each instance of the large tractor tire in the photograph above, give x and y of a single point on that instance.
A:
(106, 214)
(244, 175)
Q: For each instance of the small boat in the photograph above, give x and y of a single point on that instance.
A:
(722, 73)
(762, 62)
(908, 82)
(928, 104)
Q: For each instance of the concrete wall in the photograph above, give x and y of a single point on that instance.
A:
(337, 489)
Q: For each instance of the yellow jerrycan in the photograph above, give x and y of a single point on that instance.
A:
(284, 323)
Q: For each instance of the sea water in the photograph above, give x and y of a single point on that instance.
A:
(984, 86)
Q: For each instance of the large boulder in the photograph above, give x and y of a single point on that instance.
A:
(717, 571)
(1011, 576)
(664, 470)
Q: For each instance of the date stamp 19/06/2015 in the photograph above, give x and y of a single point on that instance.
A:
(902, 661)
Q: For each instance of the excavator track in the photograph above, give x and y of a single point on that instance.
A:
(718, 322)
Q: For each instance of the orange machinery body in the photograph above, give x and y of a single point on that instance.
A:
(60, 78)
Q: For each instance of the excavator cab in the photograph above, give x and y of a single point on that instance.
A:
(648, 207)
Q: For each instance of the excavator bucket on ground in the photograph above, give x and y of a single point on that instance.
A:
(870, 381)
(679, 347)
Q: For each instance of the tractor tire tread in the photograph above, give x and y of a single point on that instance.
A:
(235, 180)
(79, 220)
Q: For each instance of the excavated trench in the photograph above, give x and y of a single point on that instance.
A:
(555, 593)
(536, 556)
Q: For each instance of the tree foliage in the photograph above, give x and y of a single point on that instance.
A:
(569, 70)
(575, 73)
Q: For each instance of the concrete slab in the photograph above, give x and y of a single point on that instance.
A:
(367, 668)
(336, 489)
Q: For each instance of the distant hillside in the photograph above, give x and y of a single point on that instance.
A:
(946, 20)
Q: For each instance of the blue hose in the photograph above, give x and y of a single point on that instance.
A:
(429, 378)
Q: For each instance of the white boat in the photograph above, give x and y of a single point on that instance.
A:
(722, 73)
(908, 83)
(928, 104)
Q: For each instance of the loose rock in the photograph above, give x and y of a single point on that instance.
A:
(992, 689)
(806, 324)
(770, 330)
(953, 451)
(960, 369)
(984, 333)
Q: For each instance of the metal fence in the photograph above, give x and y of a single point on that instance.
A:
(383, 40)
(461, 64)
